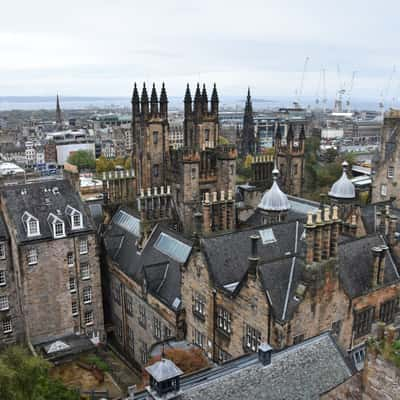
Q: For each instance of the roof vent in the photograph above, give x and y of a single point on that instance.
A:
(265, 353)
(55, 190)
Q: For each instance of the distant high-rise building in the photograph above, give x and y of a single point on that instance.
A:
(58, 113)
(248, 145)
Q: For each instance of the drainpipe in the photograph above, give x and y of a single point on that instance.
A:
(214, 293)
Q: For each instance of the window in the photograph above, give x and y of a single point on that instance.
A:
(88, 318)
(33, 227)
(59, 229)
(156, 328)
(85, 271)
(32, 257)
(155, 137)
(295, 169)
(224, 320)
(167, 332)
(252, 338)
(358, 355)
(388, 310)
(74, 307)
(142, 315)
(128, 304)
(76, 220)
(222, 355)
(83, 246)
(363, 321)
(143, 353)
(87, 295)
(2, 251)
(298, 339)
(70, 259)
(7, 326)
(199, 305)
(198, 338)
(4, 305)
(206, 135)
(155, 170)
(117, 293)
(336, 327)
(390, 172)
(131, 339)
(383, 190)
(72, 284)
(3, 281)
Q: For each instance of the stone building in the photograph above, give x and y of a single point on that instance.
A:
(386, 168)
(290, 160)
(142, 284)
(54, 260)
(297, 281)
(150, 130)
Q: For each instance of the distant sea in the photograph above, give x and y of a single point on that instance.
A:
(111, 103)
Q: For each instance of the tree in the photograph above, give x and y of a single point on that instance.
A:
(104, 165)
(83, 159)
(25, 377)
(223, 140)
(128, 163)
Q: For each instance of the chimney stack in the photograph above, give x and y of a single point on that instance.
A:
(318, 237)
(376, 254)
(326, 239)
(335, 231)
(310, 238)
(254, 258)
(265, 353)
(392, 230)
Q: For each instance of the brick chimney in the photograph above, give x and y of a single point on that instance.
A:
(318, 237)
(310, 234)
(376, 262)
(335, 232)
(207, 213)
(254, 258)
(392, 230)
(326, 234)
(382, 260)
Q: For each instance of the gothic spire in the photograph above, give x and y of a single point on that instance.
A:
(154, 100)
(188, 101)
(58, 111)
(163, 102)
(144, 100)
(197, 100)
(135, 101)
(290, 134)
(204, 100)
(214, 100)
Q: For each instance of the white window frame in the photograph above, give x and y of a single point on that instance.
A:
(72, 284)
(73, 212)
(33, 222)
(85, 271)
(85, 247)
(3, 280)
(88, 318)
(4, 303)
(74, 308)
(2, 250)
(87, 295)
(390, 172)
(32, 257)
(383, 189)
(70, 255)
(9, 329)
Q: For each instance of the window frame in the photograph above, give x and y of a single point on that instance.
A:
(10, 329)
(224, 320)
(83, 246)
(362, 321)
(84, 269)
(72, 284)
(3, 280)
(70, 255)
(32, 256)
(74, 306)
(388, 310)
(89, 322)
(4, 303)
(3, 254)
(87, 295)
(252, 338)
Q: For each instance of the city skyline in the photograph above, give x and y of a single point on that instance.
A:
(100, 49)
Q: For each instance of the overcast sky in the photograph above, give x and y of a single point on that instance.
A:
(100, 47)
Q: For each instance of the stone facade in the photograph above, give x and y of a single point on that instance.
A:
(387, 170)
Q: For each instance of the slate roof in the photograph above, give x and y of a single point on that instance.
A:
(3, 230)
(227, 254)
(163, 370)
(40, 199)
(301, 372)
(355, 265)
(161, 272)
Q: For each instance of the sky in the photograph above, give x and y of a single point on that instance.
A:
(101, 47)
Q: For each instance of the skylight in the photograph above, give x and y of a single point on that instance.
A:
(267, 236)
(128, 222)
(172, 247)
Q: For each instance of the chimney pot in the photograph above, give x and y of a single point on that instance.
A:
(168, 189)
(148, 191)
(310, 218)
(319, 219)
(162, 189)
(327, 212)
(214, 197)
(207, 198)
(222, 195)
(335, 215)
(229, 194)
(155, 191)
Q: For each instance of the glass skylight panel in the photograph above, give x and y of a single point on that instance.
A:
(172, 247)
(127, 222)
(267, 236)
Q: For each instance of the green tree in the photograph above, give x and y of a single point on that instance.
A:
(82, 159)
(104, 165)
(128, 163)
(25, 377)
(223, 140)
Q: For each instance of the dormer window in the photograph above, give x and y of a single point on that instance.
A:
(75, 217)
(56, 225)
(31, 224)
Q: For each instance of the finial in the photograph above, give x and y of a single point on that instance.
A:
(345, 165)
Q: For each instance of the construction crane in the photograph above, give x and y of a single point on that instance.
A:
(303, 75)
(341, 91)
(353, 77)
(385, 91)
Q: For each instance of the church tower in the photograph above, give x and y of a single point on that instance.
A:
(290, 160)
(150, 133)
(58, 113)
(248, 145)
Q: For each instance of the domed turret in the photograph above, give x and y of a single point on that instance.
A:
(274, 199)
(343, 188)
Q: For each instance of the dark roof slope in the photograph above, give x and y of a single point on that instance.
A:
(355, 265)
(40, 199)
(3, 229)
(301, 372)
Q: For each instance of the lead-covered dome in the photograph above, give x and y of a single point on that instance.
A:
(343, 188)
(274, 199)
